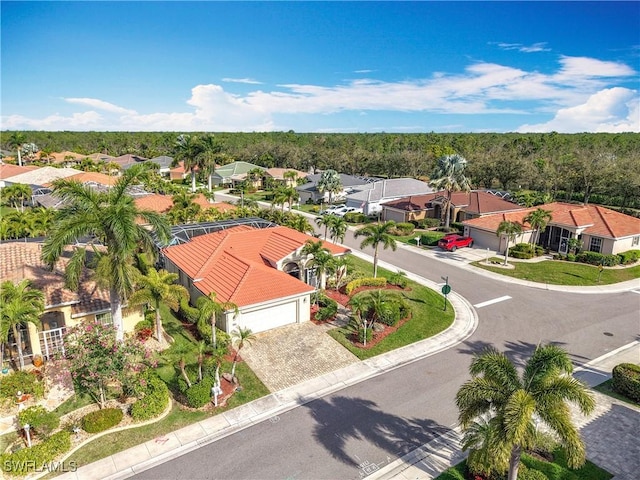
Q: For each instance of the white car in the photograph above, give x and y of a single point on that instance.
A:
(344, 210)
(331, 209)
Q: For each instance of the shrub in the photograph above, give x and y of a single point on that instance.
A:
(328, 308)
(222, 338)
(457, 226)
(403, 228)
(523, 250)
(355, 217)
(526, 473)
(429, 223)
(187, 312)
(154, 396)
(365, 282)
(27, 460)
(628, 257)
(430, 238)
(199, 394)
(40, 420)
(144, 334)
(571, 257)
(148, 322)
(101, 420)
(390, 313)
(397, 279)
(361, 334)
(626, 380)
(595, 258)
(21, 381)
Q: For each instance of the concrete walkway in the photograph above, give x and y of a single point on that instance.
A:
(424, 463)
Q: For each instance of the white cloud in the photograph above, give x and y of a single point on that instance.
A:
(582, 94)
(100, 105)
(610, 110)
(536, 47)
(250, 81)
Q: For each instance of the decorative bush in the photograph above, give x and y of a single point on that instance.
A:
(429, 223)
(628, 257)
(199, 394)
(525, 250)
(328, 308)
(187, 312)
(148, 322)
(595, 258)
(222, 338)
(361, 334)
(101, 420)
(21, 381)
(144, 334)
(430, 238)
(404, 228)
(626, 380)
(27, 460)
(154, 396)
(365, 282)
(355, 217)
(526, 473)
(41, 421)
(397, 279)
(390, 313)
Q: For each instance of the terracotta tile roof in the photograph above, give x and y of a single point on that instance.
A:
(594, 219)
(95, 177)
(20, 260)
(7, 170)
(238, 263)
(475, 202)
(61, 157)
(278, 173)
(163, 203)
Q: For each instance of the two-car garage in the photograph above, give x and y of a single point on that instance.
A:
(260, 318)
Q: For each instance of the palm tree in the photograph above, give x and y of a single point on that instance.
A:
(321, 258)
(514, 403)
(202, 349)
(338, 228)
(359, 305)
(188, 149)
(375, 234)
(16, 140)
(511, 230)
(242, 335)
(538, 219)
(19, 303)
(156, 287)
(449, 175)
(211, 148)
(325, 221)
(300, 223)
(210, 308)
(17, 194)
(107, 218)
(290, 178)
(330, 183)
(184, 209)
(280, 197)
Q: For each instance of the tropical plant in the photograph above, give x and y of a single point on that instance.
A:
(300, 223)
(376, 234)
(511, 230)
(184, 209)
(16, 140)
(210, 149)
(210, 308)
(325, 221)
(110, 219)
(510, 405)
(359, 304)
(19, 304)
(157, 287)
(538, 219)
(241, 335)
(188, 149)
(17, 194)
(321, 258)
(449, 175)
(338, 228)
(338, 266)
(281, 197)
(329, 182)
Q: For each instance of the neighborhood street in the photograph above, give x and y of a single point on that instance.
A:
(380, 419)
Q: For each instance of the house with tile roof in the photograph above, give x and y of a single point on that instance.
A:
(277, 174)
(64, 308)
(464, 206)
(261, 270)
(163, 203)
(599, 229)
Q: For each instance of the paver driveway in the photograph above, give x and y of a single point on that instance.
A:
(289, 355)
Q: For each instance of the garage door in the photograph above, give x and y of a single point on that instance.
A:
(269, 317)
(484, 239)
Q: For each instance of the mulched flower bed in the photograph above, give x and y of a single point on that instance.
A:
(379, 336)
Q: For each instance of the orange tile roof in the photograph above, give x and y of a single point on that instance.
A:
(238, 263)
(20, 260)
(594, 219)
(99, 178)
(7, 170)
(163, 203)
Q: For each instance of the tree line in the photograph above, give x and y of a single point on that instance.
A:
(600, 168)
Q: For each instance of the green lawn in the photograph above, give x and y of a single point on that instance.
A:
(428, 317)
(564, 273)
(607, 389)
(557, 470)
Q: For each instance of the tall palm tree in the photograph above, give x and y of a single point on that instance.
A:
(321, 258)
(16, 140)
(17, 194)
(359, 304)
(325, 221)
(449, 175)
(211, 148)
(156, 287)
(511, 230)
(376, 234)
(538, 219)
(516, 402)
(210, 308)
(290, 178)
(188, 149)
(241, 335)
(338, 228)
(300, 223)
(330, 183)
(19, 304)
(107, 218)
(280, 197)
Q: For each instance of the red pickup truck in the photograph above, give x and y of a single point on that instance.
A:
(453, 242)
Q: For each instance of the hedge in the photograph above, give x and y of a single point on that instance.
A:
(101, 420)
(154, 395)
(431, 238)
(595, 258)
(628, 257)
(27, 460)
(39, 419)
(365, 282)
(187, 312)
(626, 380)
(403, 228)
(199, 394)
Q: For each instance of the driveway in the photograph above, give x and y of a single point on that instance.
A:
(289, 355)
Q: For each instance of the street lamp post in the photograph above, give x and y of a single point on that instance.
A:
(27, 427)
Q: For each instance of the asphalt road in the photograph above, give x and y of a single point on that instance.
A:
(342, 435)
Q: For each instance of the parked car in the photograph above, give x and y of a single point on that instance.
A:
(331, 209)
(344, 210)
(453, 242)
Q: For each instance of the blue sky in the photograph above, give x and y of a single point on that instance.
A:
(321, 67)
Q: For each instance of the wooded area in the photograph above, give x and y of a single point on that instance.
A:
(597, 168)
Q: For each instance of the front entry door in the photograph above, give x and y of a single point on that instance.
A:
(564, 245)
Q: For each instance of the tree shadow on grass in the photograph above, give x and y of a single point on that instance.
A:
(341, 419)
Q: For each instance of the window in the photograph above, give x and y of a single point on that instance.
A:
(595, 244)
(636, 241)
(104, 318)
